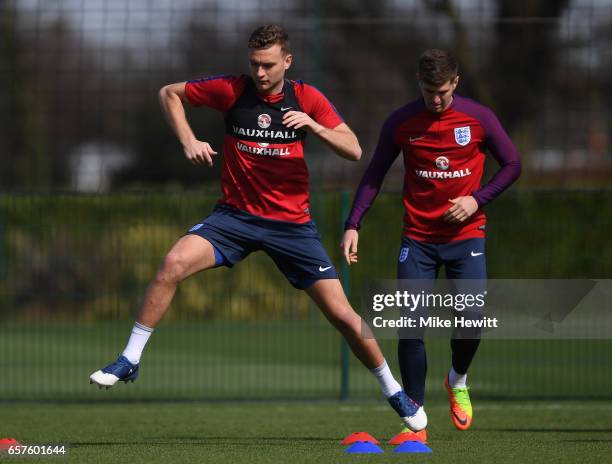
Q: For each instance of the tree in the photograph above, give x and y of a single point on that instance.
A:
(23, 137)
(525, 55)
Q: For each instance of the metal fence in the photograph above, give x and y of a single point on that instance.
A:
(74, 268)
(79, 114)
(79, 81)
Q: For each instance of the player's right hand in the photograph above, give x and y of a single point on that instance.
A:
(349, 245)
(199, 152)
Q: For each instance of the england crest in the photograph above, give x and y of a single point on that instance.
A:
(463, 135)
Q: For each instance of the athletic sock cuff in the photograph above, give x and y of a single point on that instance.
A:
(380, 369)
(143, 327)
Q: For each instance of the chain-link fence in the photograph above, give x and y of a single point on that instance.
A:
(79, 81)
(74, 268)
(79, 114)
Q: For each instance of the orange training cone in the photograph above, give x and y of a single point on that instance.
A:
(359, 436)
(420, 436)
(6, 443)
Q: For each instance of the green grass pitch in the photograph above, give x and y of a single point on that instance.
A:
(274, 432)
(535, 401)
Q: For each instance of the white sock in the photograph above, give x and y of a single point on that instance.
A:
(388, 384)
(137, 342)
(456, 380)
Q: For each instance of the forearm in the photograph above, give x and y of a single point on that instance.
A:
(370, 185)
(502, 179)
(342, 141)
(173, 110)
(365, 196)
(384, 156)
(503, 150)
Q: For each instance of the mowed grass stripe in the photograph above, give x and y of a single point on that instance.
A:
(307, 432)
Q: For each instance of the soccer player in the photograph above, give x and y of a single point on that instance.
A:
(444, 139)
(264, 204)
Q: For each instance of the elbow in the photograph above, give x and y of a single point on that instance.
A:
(518, 169)
(513, 168)
(167, 91)
(170, 92)
(164, 92)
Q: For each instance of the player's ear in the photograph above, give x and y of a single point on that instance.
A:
(456, 81)
(288, 60)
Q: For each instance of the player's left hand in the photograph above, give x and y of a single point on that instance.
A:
(298, 120)
(463, 208)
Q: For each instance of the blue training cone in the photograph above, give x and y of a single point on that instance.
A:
(363, 447)
(412, 447)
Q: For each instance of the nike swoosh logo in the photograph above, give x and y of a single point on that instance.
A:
(476, 254)
(461, 421)
(414, 139)
(323, 269)
(285, 109)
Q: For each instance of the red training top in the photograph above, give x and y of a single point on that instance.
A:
(444, 157)
(264, 172)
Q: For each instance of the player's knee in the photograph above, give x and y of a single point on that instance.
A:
(172, 269)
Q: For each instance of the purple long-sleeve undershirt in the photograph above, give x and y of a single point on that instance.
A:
(496, 140)
(499, 145)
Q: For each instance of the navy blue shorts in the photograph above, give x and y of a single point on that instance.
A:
(462, 259)
(296, 249)
(465, 266)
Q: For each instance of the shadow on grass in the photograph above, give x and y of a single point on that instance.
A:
(266, 438)
(546, 430)
(587, 440)
(211, 441)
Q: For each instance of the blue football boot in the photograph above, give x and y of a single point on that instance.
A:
(121, 370)
(412, 414)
